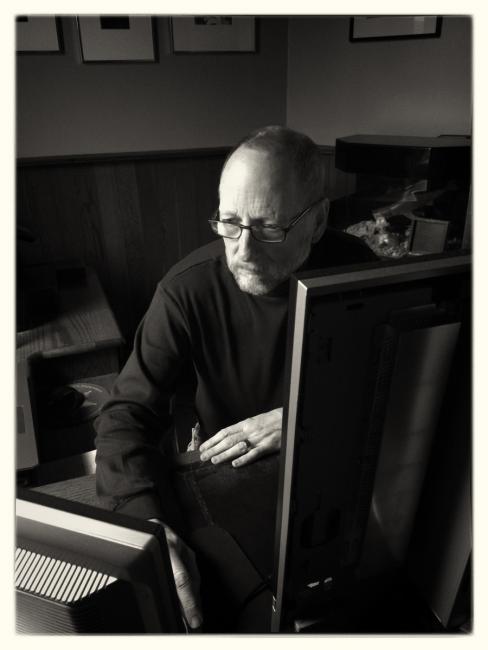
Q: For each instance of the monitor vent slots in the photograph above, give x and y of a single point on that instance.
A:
(57, 580)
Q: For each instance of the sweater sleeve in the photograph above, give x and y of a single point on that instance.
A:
(132, 474)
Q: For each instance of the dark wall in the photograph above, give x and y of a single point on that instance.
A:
(417, 86)
(130, 219)
(183, 101)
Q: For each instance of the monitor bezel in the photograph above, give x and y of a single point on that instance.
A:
(306, 286)
(116, 544)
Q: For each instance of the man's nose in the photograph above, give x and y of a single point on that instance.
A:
(246, 243)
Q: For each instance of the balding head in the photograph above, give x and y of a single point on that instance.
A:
(272, 176)
(289, 148)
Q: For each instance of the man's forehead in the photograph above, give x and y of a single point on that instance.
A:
(248, 171)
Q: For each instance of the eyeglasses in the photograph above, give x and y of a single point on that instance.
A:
(267, 234)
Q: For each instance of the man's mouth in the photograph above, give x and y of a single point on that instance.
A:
(247, 268)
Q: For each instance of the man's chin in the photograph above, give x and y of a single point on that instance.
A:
(252, 283)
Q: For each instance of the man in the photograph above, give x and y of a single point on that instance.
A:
(221, 314)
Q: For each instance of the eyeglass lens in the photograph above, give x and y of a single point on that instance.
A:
(233, 231)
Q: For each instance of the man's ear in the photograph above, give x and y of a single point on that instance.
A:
(321, 220)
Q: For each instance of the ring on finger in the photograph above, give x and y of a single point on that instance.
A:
(247, 443)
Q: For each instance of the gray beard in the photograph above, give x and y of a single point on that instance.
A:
(259, 284)
(254, 284)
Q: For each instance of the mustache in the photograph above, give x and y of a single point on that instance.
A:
(251, 270)
(248, 266)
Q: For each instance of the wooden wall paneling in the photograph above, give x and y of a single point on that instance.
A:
(131, 219)
(156, 183)
(328, 176)
(27, 252)
(41, 215)
(115, 280)
(25, 210)
(334, 180)
(128, 209)
(338, 183)
(351, 183)
(207, 176)
(342, 183)
(197, 196)
(79, 215)
(187, 210)
(56, 230)
(22, 203)
(60, 207)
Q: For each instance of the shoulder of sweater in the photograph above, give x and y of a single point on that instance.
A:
(193, 266)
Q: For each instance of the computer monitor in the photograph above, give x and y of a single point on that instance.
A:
(378, 366)
(80, 569)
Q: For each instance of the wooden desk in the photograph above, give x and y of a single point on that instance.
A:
(84, 322)
(79, 340)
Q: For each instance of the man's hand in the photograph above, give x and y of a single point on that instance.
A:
(245, 441)
(186, 575)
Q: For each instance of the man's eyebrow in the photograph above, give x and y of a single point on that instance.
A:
(228, 215)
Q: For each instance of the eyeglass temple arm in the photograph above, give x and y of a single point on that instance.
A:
(302, 214)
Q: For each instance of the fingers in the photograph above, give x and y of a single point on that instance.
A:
(188, 599)
(220, 436)
(187, 578)
(234, 443)
(229, 453)
(262, 432)
(251, 455)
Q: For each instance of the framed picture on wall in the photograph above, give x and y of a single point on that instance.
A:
(117, 39)
(38, 34)
(192, 34)
(375, 28)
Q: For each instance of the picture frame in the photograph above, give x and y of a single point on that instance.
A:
(213, 34)
(38, 35)
(117, 39)
(379, 28)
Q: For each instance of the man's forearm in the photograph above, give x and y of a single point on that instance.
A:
(133, 476)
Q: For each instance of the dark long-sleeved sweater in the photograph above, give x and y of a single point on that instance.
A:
(198, 322)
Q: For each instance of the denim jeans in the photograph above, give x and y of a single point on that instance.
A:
(230, 514)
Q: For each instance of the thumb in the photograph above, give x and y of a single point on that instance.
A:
(187, 578)
(186, 594)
